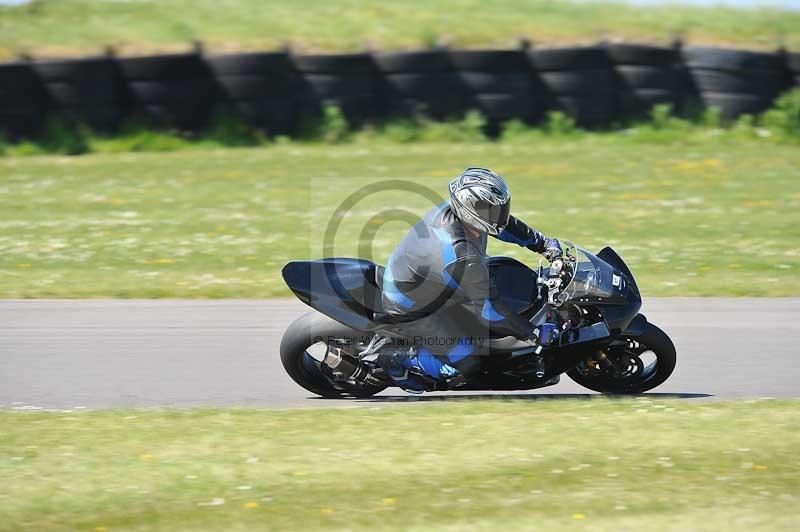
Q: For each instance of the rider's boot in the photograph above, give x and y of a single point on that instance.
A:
(456, 381)
(419, 370)
(396, 367)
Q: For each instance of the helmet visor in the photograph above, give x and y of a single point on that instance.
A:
(493, 214)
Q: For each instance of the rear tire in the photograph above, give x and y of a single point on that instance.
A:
(307, 371)
(654, 339)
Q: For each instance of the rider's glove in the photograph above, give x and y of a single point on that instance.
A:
(552, 250)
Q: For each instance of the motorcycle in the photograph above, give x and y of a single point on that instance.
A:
(604, 343)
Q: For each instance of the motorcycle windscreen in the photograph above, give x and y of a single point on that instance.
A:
(596, 281)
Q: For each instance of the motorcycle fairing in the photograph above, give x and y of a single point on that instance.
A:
(515, 282)
(341, 288)
(619, 316)
(637, 326)
(346, 289)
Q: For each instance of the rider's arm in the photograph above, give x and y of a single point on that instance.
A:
(517, 232)
(475, 284)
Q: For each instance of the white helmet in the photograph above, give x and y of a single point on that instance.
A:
(481, 199)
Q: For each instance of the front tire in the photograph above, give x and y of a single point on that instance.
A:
(641, 378)
(310, 373)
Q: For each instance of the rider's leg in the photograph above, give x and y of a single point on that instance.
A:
(464, 356)
(431, 341)
(442, 349)
(438, 350)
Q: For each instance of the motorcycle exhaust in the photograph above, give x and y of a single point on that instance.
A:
(349, 368)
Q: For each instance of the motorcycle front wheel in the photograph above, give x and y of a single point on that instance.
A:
(302, 347)
(643, 363)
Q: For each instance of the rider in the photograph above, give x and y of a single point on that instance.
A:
(437, 271)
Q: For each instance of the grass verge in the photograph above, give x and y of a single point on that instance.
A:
(599, 464)
(62, 27)
(694, 211)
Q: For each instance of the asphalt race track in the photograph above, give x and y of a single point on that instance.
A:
(112, 353)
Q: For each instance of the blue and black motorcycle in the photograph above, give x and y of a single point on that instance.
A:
(606, 344)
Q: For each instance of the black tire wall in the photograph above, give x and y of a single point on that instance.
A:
(736, 81)
(498, 83)
(346, 81)
(273, 91)
(793, 68)
(89, 90)
(263, 89)
(646, 76)
(577, 81)
(421, 82)
(176, 90)
(24, 102)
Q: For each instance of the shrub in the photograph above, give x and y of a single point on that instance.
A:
(230, 130)
(66, 137)
(662, 117)
(470, 128)
(331, 127)
(711, 117)
(401, 130)
(62, 136)
(744, 126)
(514, 129)
(560, 124)
(26, 147)
(428, 38)
(137, 135)
(473, 127)
(784, 117)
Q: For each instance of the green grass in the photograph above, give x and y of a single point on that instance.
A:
(697, 212)
(593, 464)
(63, 27)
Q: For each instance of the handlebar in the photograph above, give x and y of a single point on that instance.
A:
(561, 273)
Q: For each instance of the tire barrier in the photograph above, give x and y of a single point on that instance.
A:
(263, 89)
(578, 81)
(273, 91)
(421, 82)
(176, 90)
(646, 76)
(24, 102)
(88, 90)
(736, 81)
(793, 66)
(347, 81)
(498, 83)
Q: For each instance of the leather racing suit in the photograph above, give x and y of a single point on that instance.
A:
(438, 272)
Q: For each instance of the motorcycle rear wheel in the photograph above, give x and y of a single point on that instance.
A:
(633, 376)
(306, 331)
